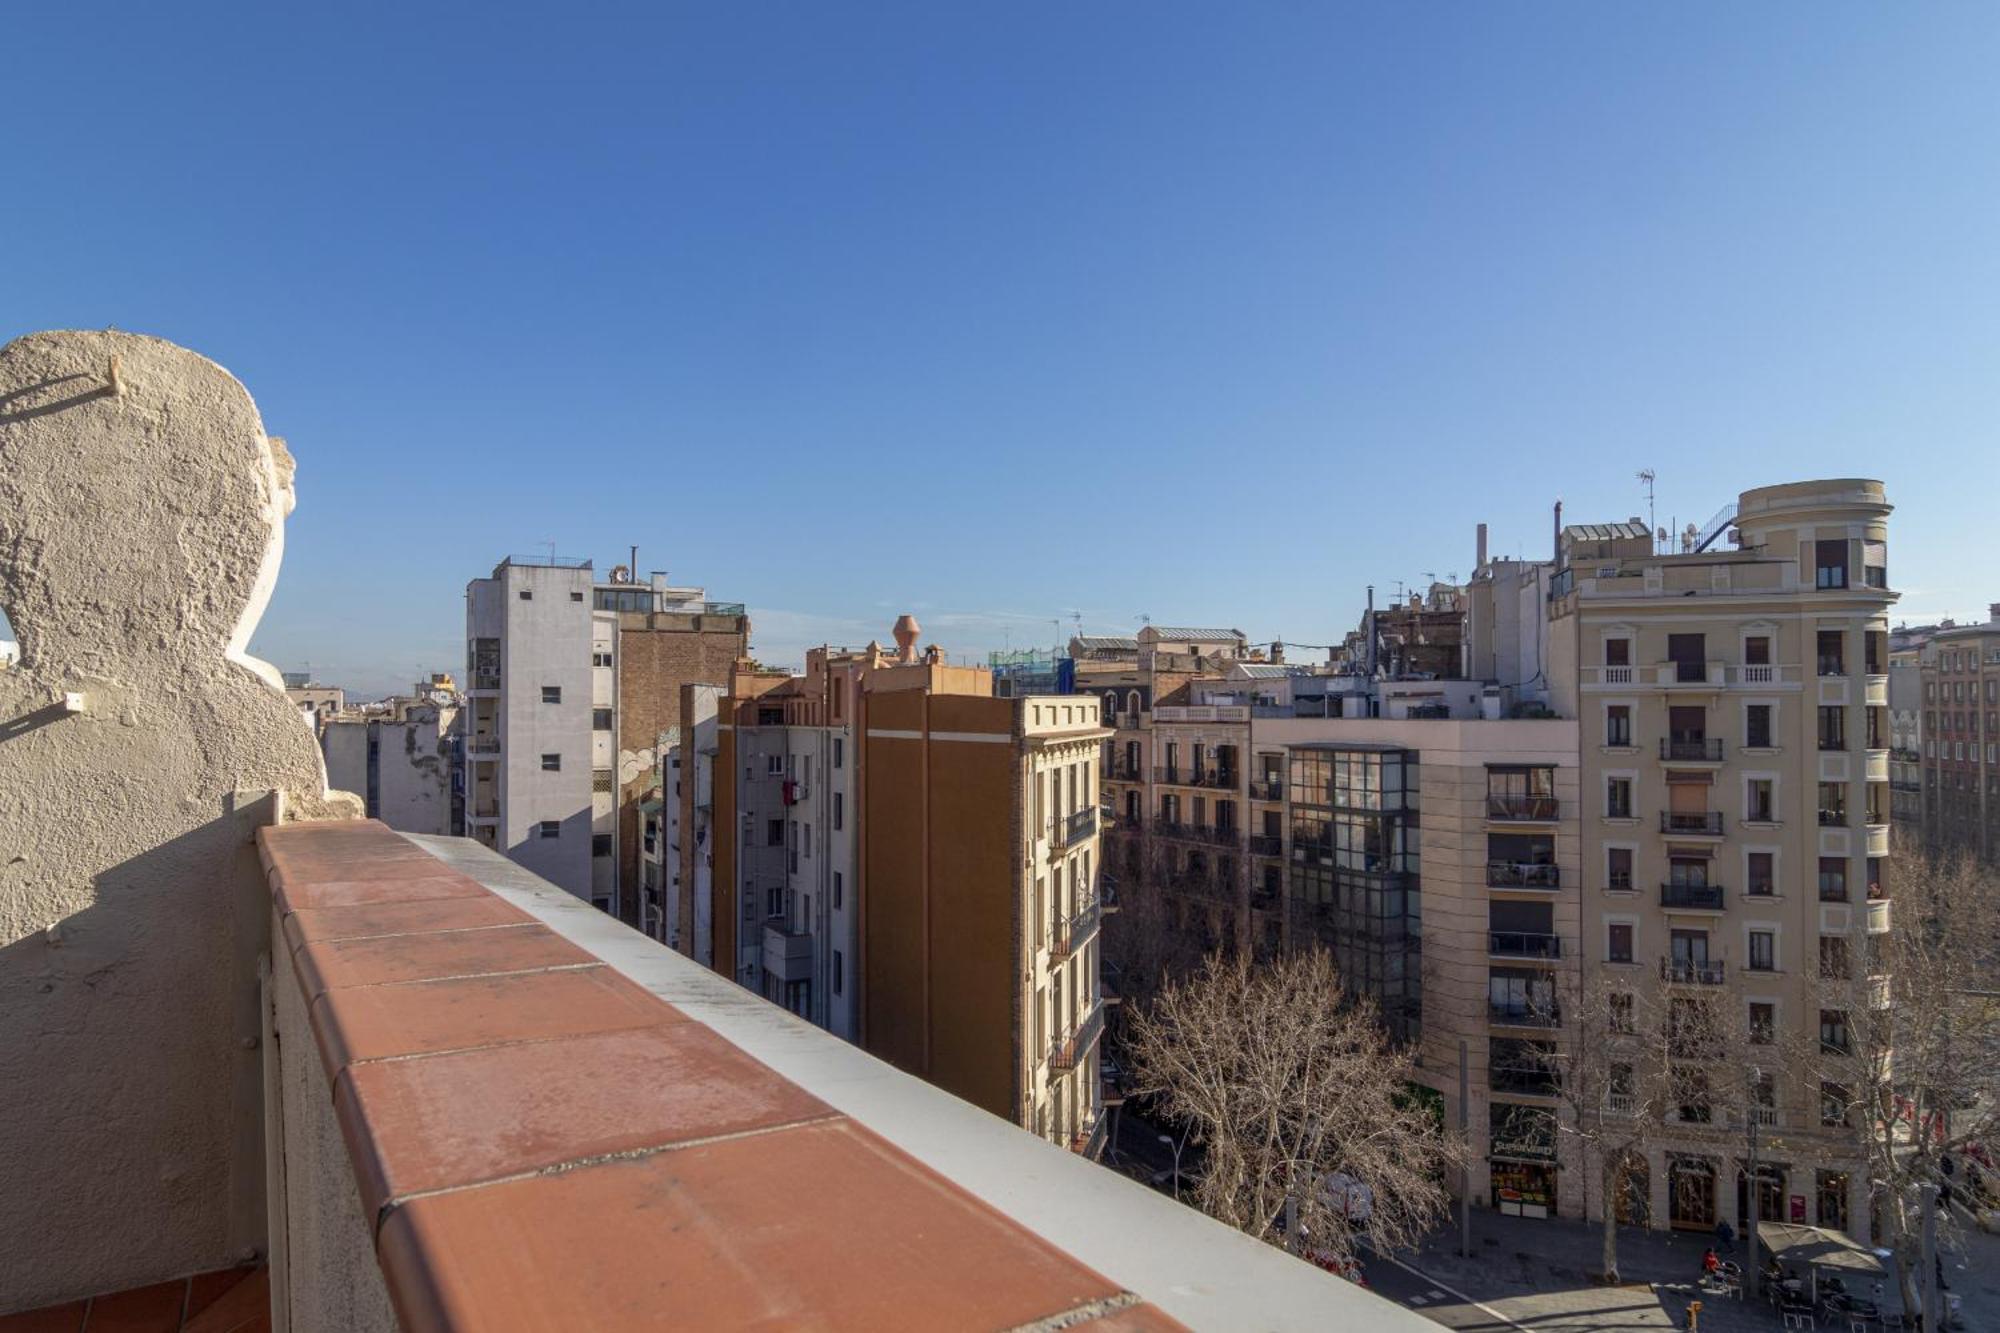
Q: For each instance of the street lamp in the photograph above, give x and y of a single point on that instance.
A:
(1168, 1139)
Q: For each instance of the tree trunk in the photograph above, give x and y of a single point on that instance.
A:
(1611, 1220)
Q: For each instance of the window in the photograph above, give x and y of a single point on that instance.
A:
(1833, 1031)
(600, 844)
(549, 828)
(1618, 724)
(837, 891)
(1833, 879)
(837, 803)
(1757, 650)
(551, 763)
(1760, 800)
(576, 596)
(1833, 957)
(1832, 727)
(1757, 727)
(1763, 1022)
(1618, 868)
(1875, 564)
(551, 694)
(600, 719)
(1833, 804)
(1830, 563)
(1761, 872)
(1832, 653)
(1619, 1012)
(839, 750)
(1833, 1103)
(1618, 798)
(600, 658)
(1618, 942)
(839, 971)
(527, 594)
(1763, 951)
(774, 833)
(774, 765)
(1618, 652)
(1689, 654)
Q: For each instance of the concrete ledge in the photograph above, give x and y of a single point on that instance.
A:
(1191, 1268)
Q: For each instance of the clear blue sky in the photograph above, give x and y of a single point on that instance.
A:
(1211, 313)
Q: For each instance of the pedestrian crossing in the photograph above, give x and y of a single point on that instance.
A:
(1430, 1297)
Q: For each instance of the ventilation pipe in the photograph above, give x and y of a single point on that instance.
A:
(1482, 548)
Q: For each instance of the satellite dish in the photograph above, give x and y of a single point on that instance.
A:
(620, 574)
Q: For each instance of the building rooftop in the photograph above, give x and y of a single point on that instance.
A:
(1177, 634)
(1104, 643)
(1607, 532)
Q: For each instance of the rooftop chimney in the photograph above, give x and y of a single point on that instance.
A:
(906, 632)
(1993, 612)
(1482, 547)
(1559, 532)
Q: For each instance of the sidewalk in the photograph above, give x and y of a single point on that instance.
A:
(1542, 1274)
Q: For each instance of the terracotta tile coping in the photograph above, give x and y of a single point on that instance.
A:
(556, 1122)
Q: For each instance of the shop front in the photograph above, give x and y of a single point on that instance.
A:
(1690, 1193)
(1521, 1154)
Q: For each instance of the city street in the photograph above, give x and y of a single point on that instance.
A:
(1540, 1275)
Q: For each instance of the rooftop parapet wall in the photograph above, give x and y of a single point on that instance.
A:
(517, 1077)
(141, 515)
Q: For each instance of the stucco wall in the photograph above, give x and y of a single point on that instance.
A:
(140, 524)
(331, 1282)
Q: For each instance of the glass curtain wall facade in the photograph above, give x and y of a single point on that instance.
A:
(1355, 883)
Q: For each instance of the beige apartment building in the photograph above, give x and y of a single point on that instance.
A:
(1959, 668)
(913, 864)
(1733, 708)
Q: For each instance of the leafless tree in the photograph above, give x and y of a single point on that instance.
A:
(1905, 1066)
(1634, 1062)
(1300, 1104)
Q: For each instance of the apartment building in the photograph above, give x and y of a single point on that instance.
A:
(1906, 726)
(403, 762)
(1959, 669)
(1733, 714)
(685, 876)
(316, 701)
(571, 684)
(911, 863)
(541, 702)
(1433, 853)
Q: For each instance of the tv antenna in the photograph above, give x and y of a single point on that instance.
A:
(1646, 478)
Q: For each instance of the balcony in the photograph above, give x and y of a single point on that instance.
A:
(788, 953)
(1068, 830)
(1609, 675)
(483, 680)
(1522, 809)
(478, 745)
(1762, 673)
(507, 1058)
(1068, 1052)
(1120, 771)
(1523, 1014)
(1523, 875)
(1265, 844)
(1067, 935)
(1688, 675)
(1694, 897)
(1691, 972)
(1089, 1139)
(1695, 823)
(1267, 789)
(1691, 751)
(1177, 776)
(1523, 944)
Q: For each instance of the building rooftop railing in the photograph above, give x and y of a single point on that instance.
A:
(549, 561)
